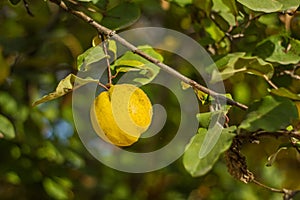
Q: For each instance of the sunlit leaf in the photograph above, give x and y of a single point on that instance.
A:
(206, 117)
(223, 21)
(65, 86)
(239, 63)
(96, 40)
(92, 55)
(284, 92)
(212, 29)
(202, 97)
(227, 10)
(256, 66)
(121, 16)
(199, 166)
(204, 5)
(269, 6)
(184, 85)
(215, 129)
(6, 128)
(271, 113)
(280, 49)
(231, 4)
(112, 46)
(131, 62)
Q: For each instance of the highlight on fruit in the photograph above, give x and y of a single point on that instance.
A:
(121, 114)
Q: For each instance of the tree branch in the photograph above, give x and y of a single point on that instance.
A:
(105, 31)
(287, 194)
(283, 133)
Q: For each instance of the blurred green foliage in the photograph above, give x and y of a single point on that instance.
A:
(42, 155)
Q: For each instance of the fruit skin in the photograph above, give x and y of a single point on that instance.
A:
(121, 114)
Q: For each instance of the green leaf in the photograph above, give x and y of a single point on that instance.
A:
(65, 86)
(92, 55)
(211, 139)
(131, 62)
(182, 3)
(223, 21)
(202, 97)
(204, 119)
(14, 2)
(6, 128)
(54, 189)
(284, 92)
(112, 46)
(185, 86)
(281, 49)
(234, 63)
(269, 6)
(227, 10)
(101, 4)
(212, 29)
(231, 4)
(205, 5)
(257, 66)
(215, 128)
(121, 16)
(271, 113)
(199, 166)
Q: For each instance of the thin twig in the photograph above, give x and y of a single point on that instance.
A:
(294, 144)
(292, 74)
(80, 5)
(102, 85)
(270, 82)
(284, 133)
(104, 46)
(287, 194)
(267, 187)
(109, 33)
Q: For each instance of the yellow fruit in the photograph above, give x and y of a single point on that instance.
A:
(121, 114)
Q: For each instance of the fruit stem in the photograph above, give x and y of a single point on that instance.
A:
(103, 86)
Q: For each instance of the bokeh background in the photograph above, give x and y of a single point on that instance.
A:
(45, 158)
